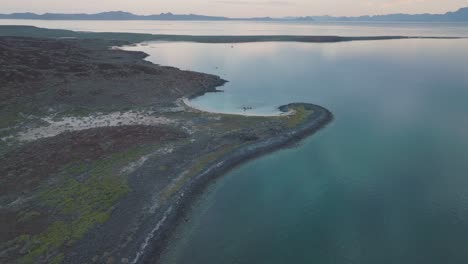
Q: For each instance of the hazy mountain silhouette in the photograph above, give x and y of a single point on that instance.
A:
(117, 15)
(460, 15)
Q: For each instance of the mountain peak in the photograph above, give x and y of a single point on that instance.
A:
(462, 10)
(116, 13)
(461, 15)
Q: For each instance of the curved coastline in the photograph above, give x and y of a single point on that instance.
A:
(157, 240)
(134, 38)
(155, 233)
(186, 103)
(139, 226)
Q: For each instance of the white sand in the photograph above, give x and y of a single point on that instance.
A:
(67, 124)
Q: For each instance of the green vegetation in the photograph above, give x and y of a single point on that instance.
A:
(81, 205)
(89, 201)
(300, 116)
(55, 236)
(233, 122)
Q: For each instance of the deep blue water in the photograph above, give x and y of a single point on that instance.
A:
(386, 182)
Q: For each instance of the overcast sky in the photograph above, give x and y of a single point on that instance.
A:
(237, 8)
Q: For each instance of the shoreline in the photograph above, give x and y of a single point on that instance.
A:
(150, 169)
(156, 242)
(186, 103)
(134, 38)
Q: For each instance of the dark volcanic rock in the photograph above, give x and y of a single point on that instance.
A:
(78, 63)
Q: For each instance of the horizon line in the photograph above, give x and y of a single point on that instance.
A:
(227, 17)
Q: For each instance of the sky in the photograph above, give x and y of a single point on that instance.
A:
(236, 8)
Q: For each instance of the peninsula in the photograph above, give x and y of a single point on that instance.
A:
(99, 155)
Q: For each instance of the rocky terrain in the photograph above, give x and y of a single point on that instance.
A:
(99, 155)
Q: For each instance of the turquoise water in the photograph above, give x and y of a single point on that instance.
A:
(386, 182)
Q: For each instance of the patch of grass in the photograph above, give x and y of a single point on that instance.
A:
(95, 194)
(82, 205)
(231, 122)
(83, 202)
(55, 236)
(300, 116)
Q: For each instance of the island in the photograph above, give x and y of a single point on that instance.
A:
(100, 156)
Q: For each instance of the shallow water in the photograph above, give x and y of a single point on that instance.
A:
(386, 182)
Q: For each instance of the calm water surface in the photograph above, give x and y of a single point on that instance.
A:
(386, 182)
(253, 28)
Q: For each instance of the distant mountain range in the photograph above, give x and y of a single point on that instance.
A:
(119, 15)
(460, 15)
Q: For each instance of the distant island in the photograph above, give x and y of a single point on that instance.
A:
(460, 15)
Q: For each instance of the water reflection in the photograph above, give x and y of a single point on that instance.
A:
(254, 28)
(391, 75)
(384, 183)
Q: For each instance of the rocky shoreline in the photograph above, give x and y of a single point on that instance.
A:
(98, 158)
(154, 245)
